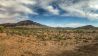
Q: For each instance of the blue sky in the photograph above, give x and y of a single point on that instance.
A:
(56, 13)
(64, 21)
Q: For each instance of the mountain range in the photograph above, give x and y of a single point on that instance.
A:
(25, 23)
(32, 24)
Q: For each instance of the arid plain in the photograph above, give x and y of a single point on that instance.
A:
(48, 42)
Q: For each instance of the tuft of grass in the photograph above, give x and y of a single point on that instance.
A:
(2, 49)
(1, 29)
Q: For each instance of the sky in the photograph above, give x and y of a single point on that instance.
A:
(55, 13)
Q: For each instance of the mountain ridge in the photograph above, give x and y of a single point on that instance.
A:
(32, 24)
(87, 27)
(25, 23)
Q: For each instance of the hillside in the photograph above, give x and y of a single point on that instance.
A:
(25, 23)
(87, 27)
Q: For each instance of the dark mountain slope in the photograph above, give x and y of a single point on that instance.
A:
(87, 27)
(25, 23)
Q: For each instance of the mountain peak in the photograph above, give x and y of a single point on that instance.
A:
(26, 23)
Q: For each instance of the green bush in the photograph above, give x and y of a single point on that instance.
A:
(1, 29)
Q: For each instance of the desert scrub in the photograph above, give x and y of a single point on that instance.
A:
(1, 29)
(2, 49)
(96, 37)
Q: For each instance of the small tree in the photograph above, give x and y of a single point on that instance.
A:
(1, 29)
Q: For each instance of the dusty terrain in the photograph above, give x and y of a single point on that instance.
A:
(48, 42)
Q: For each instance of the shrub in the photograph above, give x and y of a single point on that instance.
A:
(1, 29)
(2, 49)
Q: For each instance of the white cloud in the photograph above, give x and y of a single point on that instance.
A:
(93, 4)
(93, 16)
(83, 8)
(52, 10)
(16, 9)
(11, 10)
(45, 5)
(74, 25)
(32, 2)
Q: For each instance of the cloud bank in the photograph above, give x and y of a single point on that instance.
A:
(15, 10)
(74, 25)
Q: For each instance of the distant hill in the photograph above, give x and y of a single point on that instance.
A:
(87, 27)
(25, 23)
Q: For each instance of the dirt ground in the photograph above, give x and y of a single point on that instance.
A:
(15, 45)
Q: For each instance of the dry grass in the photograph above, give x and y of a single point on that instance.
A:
(48, 42)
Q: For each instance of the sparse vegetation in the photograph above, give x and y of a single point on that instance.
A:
(2, 49)
(47, 42)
